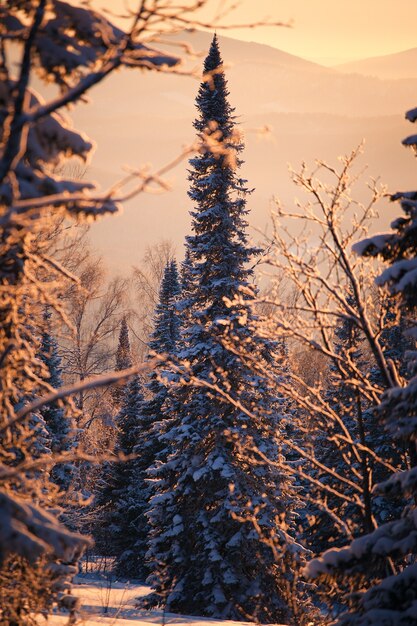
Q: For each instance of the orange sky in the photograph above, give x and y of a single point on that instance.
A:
(325, 31)
(333, 31)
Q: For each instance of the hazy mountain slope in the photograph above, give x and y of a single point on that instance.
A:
(392, 66)
(235, 50)
(140, 117)
(261, 79)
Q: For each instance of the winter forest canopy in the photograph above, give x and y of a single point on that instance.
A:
(231, 427)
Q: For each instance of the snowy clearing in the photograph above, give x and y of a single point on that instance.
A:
(113, 603)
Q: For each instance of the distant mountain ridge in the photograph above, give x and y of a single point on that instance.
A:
(314, 112)
(242, 51)
(400, 65)
(262, 79)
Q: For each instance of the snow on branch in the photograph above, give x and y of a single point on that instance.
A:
(371, 246)
(396, 538)
(411, 115)
(27, 530)
(410, 141)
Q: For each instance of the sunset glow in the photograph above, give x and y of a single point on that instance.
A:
(323, 31)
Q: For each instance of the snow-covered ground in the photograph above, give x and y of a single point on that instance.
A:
(113, 604)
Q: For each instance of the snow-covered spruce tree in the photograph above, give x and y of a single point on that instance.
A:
(284, 407)
(166, 322)
(393, 600)
(123, 361)
(205, 558)
(121, 506)
(164, 342)
(151, 421)
(58, 422)
(147, 277)
(186, 286)
(108, 482)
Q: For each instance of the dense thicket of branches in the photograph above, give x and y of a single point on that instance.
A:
(389, 552)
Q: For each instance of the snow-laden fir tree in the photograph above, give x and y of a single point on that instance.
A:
(123, 361)
(284, 407)
(39, 446)
(206, 556)
(122, 508)
(337, 444)
(115, 512)
(165, 335)
(164, 343)
(186, 286)
(149, 420)
(391, 600)
(104, 498)
(58, 423)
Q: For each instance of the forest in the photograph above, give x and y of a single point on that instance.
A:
(230, 429)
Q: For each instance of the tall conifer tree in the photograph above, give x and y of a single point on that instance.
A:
(205, 560)
(164, 341)
(59, 426)
(148, 421)
(165, 335)
(123, 508)
(123, 361)
(127, 399)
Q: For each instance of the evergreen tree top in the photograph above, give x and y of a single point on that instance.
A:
(215, 110)
(186, 279)
(166, 323)
(48, 351)
(123, 354)
(213, 60)
(218, 253)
